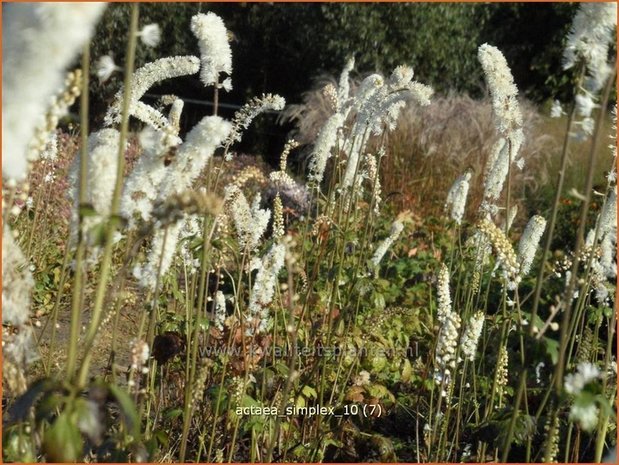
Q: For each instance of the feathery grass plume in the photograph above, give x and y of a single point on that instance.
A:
(529, 242)
(264, 289)
(589, 39)
(160, 257)
(250, 222)
(503, 92)
(142, 80)
(39, 40)
(193, 154)
(443, 294)
(506, 258)
(471, 335)
(215, 53)
(445, 354)
(343, 91)
(396, 229)
(456, 197)
(243, 118)
(326, 140)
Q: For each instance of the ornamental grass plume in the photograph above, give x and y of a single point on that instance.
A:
(215, 53)
(529, 242)
(39, 40)
(396, 229)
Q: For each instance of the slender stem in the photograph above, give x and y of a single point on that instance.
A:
(81, 245)
(106, 261)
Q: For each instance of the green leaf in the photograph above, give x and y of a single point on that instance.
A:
(552, 349)
(62, 441)
(128, 409)
(309, 392)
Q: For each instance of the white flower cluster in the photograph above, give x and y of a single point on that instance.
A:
(17, 285)
(39, 40)
(396, 229)
(248, 112)
(445, 355)
(589, 38)
(470, 338)
(142, 80)
(586, 372)
(264, 289)
(326, 140)
(529, 242)
(443, 294)
(250, 221)
(220, 310)
(101, 172)
(160, 257)
(504, 95)
(456, 197)
(376, 106)
(215, 53)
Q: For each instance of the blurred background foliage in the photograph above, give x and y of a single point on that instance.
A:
(284, 48)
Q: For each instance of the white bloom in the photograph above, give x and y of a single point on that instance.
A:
(608, 215)
(445, 355)
(497, 169)
(215, 53)
(585, 105)
(589, 38)
(193, 154)
(150, 35)
(556, 111)
(243, 118)
(220, 310)
(105, 67)
(17, 282)
(344, 86)
(250, 222)
(502, 90)
(326, 140)
(529, 242)
(471, 335)
(264, 288)
(142, 80)
(396, 229)
(585, 415)
(39, 41)
(585, 373)
(160, 257)
(456, 197)
(443, 294)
